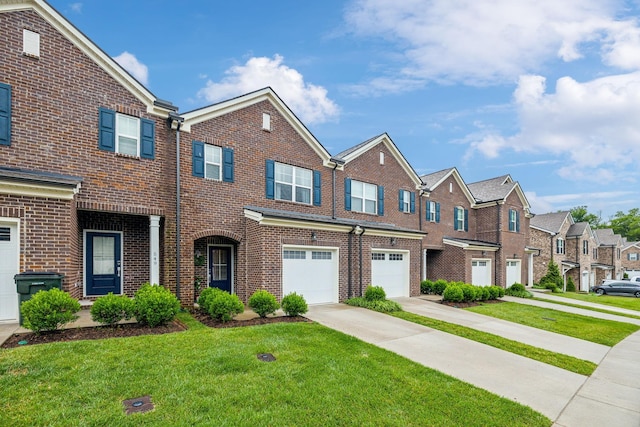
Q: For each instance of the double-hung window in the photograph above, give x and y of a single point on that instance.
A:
(585, 247)
(433, 211)
(128, 135)
(514, 220)
(212, 162)
(293, 183)
(633, 256)
(560, 246)
(460, 219)
(364, 197)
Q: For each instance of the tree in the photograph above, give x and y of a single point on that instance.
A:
(552, 279)
(580, 214)
(627, 224)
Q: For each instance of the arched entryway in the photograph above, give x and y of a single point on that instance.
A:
(215, 263)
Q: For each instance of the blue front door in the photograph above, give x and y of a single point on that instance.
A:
(220, 267)
(103, 264)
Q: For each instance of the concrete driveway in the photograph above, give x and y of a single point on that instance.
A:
(610, 396)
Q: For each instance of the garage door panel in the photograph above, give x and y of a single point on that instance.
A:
(481, 272)
(390, 270)
(312, 273)
(8, 269)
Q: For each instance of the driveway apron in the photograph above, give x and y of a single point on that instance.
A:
(543, 387)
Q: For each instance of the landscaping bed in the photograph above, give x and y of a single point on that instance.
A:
(205, 319)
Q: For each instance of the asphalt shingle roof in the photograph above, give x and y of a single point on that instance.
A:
(577, 229)
(492, 189)
(551, 222)
(348, 151)
(432, 179)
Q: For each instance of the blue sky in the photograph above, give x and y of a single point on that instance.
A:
(545, 90)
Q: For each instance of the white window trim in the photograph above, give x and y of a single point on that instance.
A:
(136, 136)
(406, 201)
(432, 211)
(513, 220)
(293, 183)
(585, 247)
(460, 217)
(266, 121)
(560, 248)
(219, 149)
(364, 197)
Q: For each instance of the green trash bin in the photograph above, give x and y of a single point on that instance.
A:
(28, 283)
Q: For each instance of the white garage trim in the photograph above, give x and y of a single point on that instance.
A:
(311, 271)
(392, 272)
(9, 267)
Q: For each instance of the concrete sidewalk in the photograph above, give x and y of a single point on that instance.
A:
(551, 341)
(544, 388)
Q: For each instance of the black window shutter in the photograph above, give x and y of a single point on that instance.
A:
(107, 129)
(227, 164)
(147, 138)
(5, 114)
(317, 188)
(270, 179)
(197, 158)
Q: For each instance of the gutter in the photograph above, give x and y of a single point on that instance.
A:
(175, 121)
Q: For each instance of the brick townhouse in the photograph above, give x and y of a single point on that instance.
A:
(477, 233)
(630, 259)
(265, 206)
(86, 163)
(609, 255)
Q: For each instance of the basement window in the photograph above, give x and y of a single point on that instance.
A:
(31, 43)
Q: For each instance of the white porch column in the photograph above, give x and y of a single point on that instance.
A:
(530, 270)
(154, 249)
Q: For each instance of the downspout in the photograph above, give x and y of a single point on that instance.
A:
(349, 269)
(333, 189)
(174, 118)
(360, 241)
(498, 253)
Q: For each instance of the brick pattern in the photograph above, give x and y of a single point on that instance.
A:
(626, 263)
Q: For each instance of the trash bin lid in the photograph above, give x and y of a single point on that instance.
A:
(38, 275)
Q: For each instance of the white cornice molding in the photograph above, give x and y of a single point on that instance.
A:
(469, 246)
(38, 190)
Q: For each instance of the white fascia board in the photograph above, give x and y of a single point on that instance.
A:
(86, 46)
(542, 229)
(267, 94)
(469, 247)
(386, 140)
(38, 190)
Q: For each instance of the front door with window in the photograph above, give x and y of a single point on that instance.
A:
(220, 267)
(103, 263)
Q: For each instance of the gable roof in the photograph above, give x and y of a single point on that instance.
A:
(243, 101)
(628, 245)
(359, 149)
(551, 222)
(433, 180)
(578, 230)
(606, 237)
(497, 190)
(154, 105)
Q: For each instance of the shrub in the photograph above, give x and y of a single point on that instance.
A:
(548, 284)
(49, 310)
(224, 306)
(469, 292)
(516, 287)
(553, 276)
(110, 309)
(439, 286)
(483, 293)
(384, 306)
(571, 286)
(453, 293)
(206, 296)
(155, 305)
(375, 293)
(262, 302)
(294, 305)
(426, 287)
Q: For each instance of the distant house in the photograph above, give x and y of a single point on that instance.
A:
(630, 258)
(609, 264)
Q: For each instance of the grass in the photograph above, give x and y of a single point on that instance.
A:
(606, 332)
(209, 376)
(563, 361)
(629, 303)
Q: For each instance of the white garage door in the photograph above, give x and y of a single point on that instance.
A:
(8, 269)
(391, 271)
(481, 272)
(312, 273)
(514, 273)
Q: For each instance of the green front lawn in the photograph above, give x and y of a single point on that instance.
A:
(630, 302)
(607, 332)
(563, 361)
(212, 377)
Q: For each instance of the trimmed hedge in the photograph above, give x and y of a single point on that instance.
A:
(294, 305)
(155, 305)
(263, 303)
(111, 309)
(49, 310)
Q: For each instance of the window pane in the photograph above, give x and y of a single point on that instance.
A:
(103, 255)
(284, 192)
(303, 195)
(128, 126)
(370, 191)
(212, 154)
(356, 189)
(128, 146)
(303, 177)
(356, 204)
(370, 206)
(212, 171)
(284, 173)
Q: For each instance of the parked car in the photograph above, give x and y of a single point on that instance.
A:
(618, 287)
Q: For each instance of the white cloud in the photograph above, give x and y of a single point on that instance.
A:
(76, 7)
(481, 42)
(137, 69)
(307, 101)
(594, 126)
(596, 202)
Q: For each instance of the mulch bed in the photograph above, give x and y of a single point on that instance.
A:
(205, 319)
(92, 333)
(469, 304)
(135, 329)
